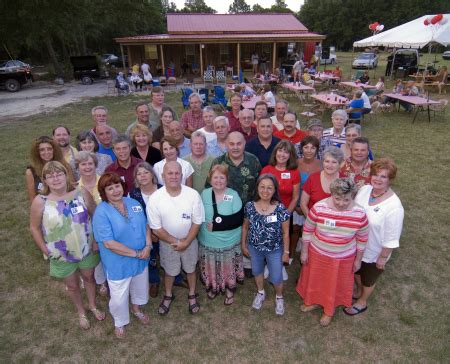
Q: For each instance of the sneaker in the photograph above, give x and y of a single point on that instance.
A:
(258, 300)
(279, 306)
(285, 275)
(291, 260)
(266, 272)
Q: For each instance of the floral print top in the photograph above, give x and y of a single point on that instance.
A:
(362, 178)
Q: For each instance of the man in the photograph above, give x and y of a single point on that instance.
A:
(61, 135)
(142, 117)
(357, 167)
(336, 135)
(200, 161)
(192, 119)
(125, 164)
(175, 213)
(176, 132)
(367, 108)
(218, 146)
(243, 167)
(297, 69)
(290, 132)
(264, 143)
(104, 137)
(281, 108)
(246, 118)
(156, 104)
(233, 114)
(100, 117)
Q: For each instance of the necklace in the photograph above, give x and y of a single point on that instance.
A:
(124, 213)
(373, 197)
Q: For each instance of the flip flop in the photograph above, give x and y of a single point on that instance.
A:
(358, 310)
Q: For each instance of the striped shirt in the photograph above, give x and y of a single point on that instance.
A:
(336, 234)
(336, 140)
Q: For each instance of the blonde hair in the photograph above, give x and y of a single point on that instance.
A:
(55, 167)
(139, 128)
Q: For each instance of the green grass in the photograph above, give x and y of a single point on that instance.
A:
(407, 319)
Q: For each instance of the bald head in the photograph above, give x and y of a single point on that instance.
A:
(235, 145)
(172, 175)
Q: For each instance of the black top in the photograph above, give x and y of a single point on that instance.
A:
(153, 155)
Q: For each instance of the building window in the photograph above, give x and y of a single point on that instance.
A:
(151, 52)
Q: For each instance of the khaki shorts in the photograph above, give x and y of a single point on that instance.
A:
(60, 269)
(172, 261)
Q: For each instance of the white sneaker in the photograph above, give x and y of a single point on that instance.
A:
(266, 272)
(285, 275)
(279, 306)
(291, 260)
(258, 300)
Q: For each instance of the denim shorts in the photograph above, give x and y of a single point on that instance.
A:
(274, 261)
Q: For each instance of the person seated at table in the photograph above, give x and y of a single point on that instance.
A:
(246, 90)
(307, 80)
(441, 79)
(121, 83)
(268, 95)
(136, 80)
(337, 72)
(379, 88)
(356, 103)
(397, 89)
(365, 77)
(410, 90)
(367, 108)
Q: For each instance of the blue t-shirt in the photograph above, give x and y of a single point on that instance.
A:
(108, 151)
(109, 224)
(356, 104)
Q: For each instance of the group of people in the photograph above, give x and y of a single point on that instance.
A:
(223, 195)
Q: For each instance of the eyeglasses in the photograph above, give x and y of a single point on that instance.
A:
(55, 175)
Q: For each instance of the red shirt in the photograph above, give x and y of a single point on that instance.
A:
(286, 179)
(295, 139)
(191, 120)
(247, 137)
(126, 173)
(313, 187)
(233, 121)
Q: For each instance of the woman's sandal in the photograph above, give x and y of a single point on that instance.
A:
(84, 322)
(229, 300)
(142, 317)
(164, 309)
(211, 295)
(119, 332)
(195, 307)
(99, 315)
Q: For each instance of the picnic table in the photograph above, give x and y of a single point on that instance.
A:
(353, 84)
(325, 77)
(418, 102)
(297, 87)
(331, 100)
(250, 102)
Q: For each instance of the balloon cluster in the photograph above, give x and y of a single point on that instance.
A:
(376, 27)
(438, 19)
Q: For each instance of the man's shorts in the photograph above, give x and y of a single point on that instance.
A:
(172, 261)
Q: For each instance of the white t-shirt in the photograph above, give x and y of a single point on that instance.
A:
(366, 101)
(385, 223)
(210, 136)
(186, 169)
(175, 214)
(269, 98)
(145, 68)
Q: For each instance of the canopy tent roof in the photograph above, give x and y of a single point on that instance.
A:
(413, 34)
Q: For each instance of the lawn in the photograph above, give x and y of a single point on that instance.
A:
(408, 316)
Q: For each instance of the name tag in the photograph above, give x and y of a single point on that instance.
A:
(218, 219)
(77, 210)
(329, 222)
(186, 216)
(271, 218)
(136, 208)
(122, 178)
(286, 175)
(40, 186)
(227, 197)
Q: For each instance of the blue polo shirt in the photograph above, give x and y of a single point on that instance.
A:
(107, 151)
(255, 147)
(109, 224)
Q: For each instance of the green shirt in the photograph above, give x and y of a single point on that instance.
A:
(241, 178)
(201, 171)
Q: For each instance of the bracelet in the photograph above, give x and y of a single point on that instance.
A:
(286, 252)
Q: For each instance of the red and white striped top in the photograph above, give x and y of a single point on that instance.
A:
(337, 234)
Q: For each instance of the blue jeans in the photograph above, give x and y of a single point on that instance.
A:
(273, 260)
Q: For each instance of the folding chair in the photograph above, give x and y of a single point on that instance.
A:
(172, 82)
(356, 120)
(221, 77)
(186, 92)
(219, 96)
(208, 77)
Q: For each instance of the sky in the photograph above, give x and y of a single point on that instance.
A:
(222, 5)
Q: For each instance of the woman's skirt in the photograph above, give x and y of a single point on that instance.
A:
(221, 268)
(326, 281)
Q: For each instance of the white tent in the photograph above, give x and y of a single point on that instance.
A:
(413, 34)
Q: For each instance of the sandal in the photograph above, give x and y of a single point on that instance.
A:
(211, 295)
(229, 300)
(142, 317)
(99, 315)
(164, 309)
(195, 307)
(119, 332)
(356, 310)
(84, 322)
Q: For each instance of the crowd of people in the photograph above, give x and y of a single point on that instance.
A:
(229, 197)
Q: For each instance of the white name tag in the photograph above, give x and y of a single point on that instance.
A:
(77, 210)
(286, 175)
(122, 178)
(271, 218)
(186, 216)
(40, 186)
(218, 219)
(329, 222)
(227, 197)
(136, 208)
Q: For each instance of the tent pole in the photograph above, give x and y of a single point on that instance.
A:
(392, 65)
(351, 63)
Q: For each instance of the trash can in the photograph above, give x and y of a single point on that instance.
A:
(155, 83)
(401, 73)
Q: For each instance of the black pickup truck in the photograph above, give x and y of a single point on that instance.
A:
(14, 79)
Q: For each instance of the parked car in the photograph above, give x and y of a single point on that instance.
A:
(109, 57)
(446, 55)
(365, 60)
(12, 64)
(85, 68)
(331, 60)
(405, 60)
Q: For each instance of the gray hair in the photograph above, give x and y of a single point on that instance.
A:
(221, 118)
(198, 134)
(209, 109)
(100, 107)
(335, 153)
(359, 93)
(353, 126)
(282, 101)
(343, 187)
(121, 138)
(195, 94)
(341, 113)
(248, 111)
(84, 156)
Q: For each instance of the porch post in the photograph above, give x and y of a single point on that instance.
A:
(274, 57)
(238, 67)
(163, 65)
(201, 60)
(123, 59)
(130, 59)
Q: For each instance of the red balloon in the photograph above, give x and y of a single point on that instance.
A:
(426, 22)
(439, 17)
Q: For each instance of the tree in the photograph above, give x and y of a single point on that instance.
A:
(197, 6)
(259, 9)
(239, 6)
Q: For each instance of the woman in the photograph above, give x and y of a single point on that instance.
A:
(268, 95)
(86, 164)
(170, 152)
(265, 238)
(441, 79)
(379, 87)
(352, 131)
(141, 137)
(385, 213)
(365, 78)
(146, 183)
(283, 165)
(61, 227)
(208, 117)
(86, 141)
(166, 116)
(334, 236)
(43, 150)
(121, 230)
(317, 187)
(221, 262)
